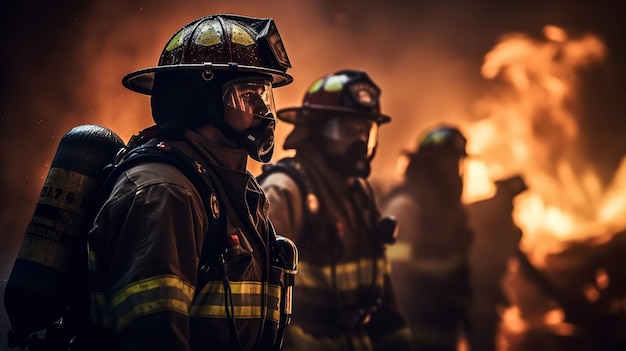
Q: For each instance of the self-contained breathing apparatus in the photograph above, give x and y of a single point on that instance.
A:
(385, 231)
(48, 290)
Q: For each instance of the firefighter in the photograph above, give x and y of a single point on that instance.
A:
(321, 199)
(496, 242)
(432, 276)
(163, 278)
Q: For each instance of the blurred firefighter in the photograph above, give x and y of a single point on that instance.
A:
(497, 239)
(163, 277)
(495, 245)
(432, 276)
(322, 200)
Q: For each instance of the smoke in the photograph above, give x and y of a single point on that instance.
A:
(62, 66)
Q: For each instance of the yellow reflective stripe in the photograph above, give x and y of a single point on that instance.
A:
(99, 310)
(240, 288)
(400, 251)
(388, 340)
(145, 285)
(246, 299)
(92, 256)
(166, 292)
(442, 265)
(241, 312)
(151, 307)
(349, 276)
(298, 336)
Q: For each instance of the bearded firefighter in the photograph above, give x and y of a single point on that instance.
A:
(321, 199)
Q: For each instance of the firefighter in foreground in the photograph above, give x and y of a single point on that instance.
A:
(155, 285)
(433, 277)
(322, 200)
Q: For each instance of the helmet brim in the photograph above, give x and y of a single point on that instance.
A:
(142, 81)
(291, 114)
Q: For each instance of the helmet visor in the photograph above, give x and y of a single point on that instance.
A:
(350, 129)
(254, 97)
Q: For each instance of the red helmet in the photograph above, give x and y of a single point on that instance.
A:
(235, 45)
(346, 92)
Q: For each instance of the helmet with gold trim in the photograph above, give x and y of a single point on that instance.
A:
(340, 116)
(340, 96)
(346, 92)
(443, 138)
(229, 45)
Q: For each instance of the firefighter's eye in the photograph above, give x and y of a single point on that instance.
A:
(248, 95)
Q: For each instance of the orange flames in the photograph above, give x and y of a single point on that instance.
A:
(531, 129)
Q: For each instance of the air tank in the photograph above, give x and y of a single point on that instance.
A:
(48, 279)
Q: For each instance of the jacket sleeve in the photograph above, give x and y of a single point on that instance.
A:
(285, 201)
(387, 327)
(153, 241)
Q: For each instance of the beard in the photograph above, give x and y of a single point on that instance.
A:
(352, 163)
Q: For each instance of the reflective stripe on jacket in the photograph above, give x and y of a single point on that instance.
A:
(144, 252)
(342, 269)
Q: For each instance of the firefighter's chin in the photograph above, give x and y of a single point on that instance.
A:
(352, 163)
(362, 168)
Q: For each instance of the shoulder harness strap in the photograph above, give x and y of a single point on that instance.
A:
(295, 171)
(158, 151)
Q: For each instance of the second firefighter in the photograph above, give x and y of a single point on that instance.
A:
(321, 199)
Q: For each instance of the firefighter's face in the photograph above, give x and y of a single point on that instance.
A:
(248, 101)
(249, 110)
(343, 132)
(348, 143)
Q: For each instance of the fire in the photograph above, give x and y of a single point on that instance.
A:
(530, 128)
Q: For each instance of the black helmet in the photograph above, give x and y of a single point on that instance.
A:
(511, 186)
(345, 91)
(443, 138)
(340, 116)
(230, 44)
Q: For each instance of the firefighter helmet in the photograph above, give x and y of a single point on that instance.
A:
(230, 44)
(346, 92)
(443, 138)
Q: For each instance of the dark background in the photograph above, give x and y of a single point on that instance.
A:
(62, 63)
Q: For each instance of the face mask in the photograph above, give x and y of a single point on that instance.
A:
(259, 141)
